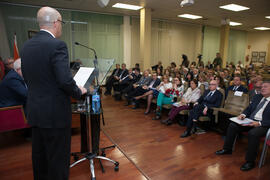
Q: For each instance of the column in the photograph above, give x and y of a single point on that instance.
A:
(145, 37)
(224, 43)
(127, 41)
(267, 61)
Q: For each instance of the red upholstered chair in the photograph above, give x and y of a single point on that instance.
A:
(12, 118)
(265, 147)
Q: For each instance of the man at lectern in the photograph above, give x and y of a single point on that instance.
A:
(45, 68)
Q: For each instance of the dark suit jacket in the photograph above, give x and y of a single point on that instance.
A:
(266, 113)
(13, 90)
(156, 83)
(144, 81)
(240, 88)
(45, 68)
(123, 73)
(114, 72)
(214, 101)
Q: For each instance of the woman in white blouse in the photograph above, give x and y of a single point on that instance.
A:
(191, 96)
(167, 94)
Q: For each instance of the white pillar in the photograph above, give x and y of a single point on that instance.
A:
(127, 41)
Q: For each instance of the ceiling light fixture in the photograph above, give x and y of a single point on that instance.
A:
(189, 16)
(235, 24)
(234, 7)
(262, 28)
(127, 6)
(268, 17)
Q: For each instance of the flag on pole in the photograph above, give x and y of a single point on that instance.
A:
(15, 49)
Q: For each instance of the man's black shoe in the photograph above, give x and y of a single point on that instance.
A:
(185, 134)
(165, 121)
(223, 151)
(156, 118)
(247, 166)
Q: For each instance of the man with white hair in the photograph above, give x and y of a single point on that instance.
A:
(45, 67)
(8, 63)
(13, 90)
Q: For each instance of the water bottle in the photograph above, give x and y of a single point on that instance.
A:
(96, 103)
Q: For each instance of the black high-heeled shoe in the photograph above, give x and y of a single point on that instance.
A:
(146, 112)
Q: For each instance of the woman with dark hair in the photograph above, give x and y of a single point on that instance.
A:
(189, 76)
(220, 82)
(191, 96)
(185, 61)
(167, 96)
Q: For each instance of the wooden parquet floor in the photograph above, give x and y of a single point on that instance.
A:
(146, 150)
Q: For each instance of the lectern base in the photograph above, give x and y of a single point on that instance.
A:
(91, 157)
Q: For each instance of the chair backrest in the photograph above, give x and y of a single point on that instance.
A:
(236, 103)
(223, 96)
(202, 88)
(12, 118)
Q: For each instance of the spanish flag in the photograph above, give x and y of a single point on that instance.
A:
(15, 49)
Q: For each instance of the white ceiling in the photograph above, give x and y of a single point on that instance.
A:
(169, 9)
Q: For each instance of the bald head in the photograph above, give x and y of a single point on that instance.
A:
(50, 19)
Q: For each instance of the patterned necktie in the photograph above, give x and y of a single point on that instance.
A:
(260, 105)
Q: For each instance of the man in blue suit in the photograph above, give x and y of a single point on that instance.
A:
(236, 86)
(210, 99)
(13, 89)
(259, 111)
(45, 68)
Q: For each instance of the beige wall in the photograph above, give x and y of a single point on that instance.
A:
(258, 41)
(169, 41)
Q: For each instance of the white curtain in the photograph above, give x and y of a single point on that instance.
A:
(4, 47)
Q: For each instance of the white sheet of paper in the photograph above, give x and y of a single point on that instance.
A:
(238, 93)
(238, 121)
(83, 75)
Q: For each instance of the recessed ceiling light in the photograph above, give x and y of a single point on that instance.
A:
(262, 28)
(126, 6)
(234, 7)
(268, 17)
(189, 16)
(235, 23)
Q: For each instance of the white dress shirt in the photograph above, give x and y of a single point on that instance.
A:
(258, 115)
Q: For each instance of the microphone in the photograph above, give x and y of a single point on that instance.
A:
(79, 44)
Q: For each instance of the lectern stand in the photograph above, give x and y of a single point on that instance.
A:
(90, 126)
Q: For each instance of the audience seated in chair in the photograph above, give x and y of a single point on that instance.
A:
(236, 86)
(168, 94)
(256, 89)
(13, 90)
(8, 64)
(210, 99)
(142, 91)
(123, 74)
(259, 111)
(189, 98)
(113, 78)
(144, 80)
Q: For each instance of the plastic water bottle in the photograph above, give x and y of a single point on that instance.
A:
(96, 103)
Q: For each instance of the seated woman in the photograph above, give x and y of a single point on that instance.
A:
(189, 98)
(153, 93)
(167, 96)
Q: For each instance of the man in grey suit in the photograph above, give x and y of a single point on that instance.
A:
(45, 68)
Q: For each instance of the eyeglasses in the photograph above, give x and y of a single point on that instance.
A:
(63, 22)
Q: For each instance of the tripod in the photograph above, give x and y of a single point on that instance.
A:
(90, 131)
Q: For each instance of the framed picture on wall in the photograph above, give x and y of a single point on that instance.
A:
(254, 59)
(31, 33)
(254, 54)
(262, 54)
(261, 59)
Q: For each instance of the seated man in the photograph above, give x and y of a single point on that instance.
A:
(113, 78)
(236, 86)
(211, 98)
(122, 75)
(145, 79)
(140, 90)
(258, 110)
(256, 89)
(126, 85)
(13, 89)
(8, 64)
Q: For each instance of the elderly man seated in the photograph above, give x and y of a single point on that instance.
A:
(13, 90)
(236, 86)
(211, 98)
(259, 111)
